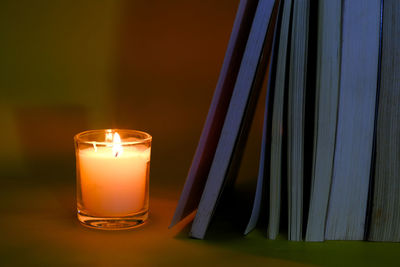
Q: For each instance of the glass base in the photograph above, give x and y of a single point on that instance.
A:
(113, 223)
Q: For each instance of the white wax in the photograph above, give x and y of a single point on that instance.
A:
(113, 185)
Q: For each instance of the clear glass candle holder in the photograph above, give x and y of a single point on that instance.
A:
(112, 178)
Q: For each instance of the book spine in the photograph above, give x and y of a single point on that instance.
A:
(233, 124)
(354, 136)
(204, 154)
(278, 122)
(327, 94)
(262, 177)
(296, 108)
(385, 216)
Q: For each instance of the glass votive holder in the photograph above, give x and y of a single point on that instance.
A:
(112, 178)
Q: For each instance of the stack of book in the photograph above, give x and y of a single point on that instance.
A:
(330, 148)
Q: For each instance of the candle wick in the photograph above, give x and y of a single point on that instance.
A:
(116, 154)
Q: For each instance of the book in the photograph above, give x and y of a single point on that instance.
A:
(326, 106)
(204, 154)
(238, 117)
(278, 125)
(296, 117)
(385, 216)
(329, 162)
(262, 177)
(355, 122)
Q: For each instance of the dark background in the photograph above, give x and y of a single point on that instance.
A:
(70, 66)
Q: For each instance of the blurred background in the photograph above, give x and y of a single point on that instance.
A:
(69, 66)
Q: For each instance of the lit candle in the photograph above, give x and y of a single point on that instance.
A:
(113, 178)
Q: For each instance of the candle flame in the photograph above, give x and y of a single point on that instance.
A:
(117, 146)
(109, 136)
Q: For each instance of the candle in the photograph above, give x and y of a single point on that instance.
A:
(112, 180)
(113, 185)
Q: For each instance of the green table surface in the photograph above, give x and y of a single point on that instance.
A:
(38, 226)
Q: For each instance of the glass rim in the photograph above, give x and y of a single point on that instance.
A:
(78, 136)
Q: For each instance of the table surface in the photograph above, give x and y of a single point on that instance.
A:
(39, 226)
